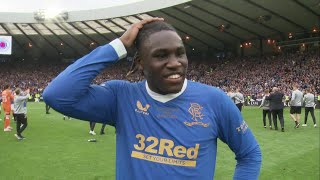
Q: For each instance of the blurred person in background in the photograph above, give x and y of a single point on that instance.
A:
(92, 126)
(265, 104)
(239, 99)
(47, 108)
(276, 99)
(7, 98)
(309, 106)
(20, 111)
(295, 105)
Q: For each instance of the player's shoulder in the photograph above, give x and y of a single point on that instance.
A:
(114, 83)
(205, 89)
(121, 84)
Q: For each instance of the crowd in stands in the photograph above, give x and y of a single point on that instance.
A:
(28, 75)
(255, 74)
(251, 74)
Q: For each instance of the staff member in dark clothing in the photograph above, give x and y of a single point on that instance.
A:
(276, 106)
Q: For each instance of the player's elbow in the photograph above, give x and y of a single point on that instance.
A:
(257, 154)
(248, 167)
(254, 156)
(49, 96)
(52, 97)
(59, 98)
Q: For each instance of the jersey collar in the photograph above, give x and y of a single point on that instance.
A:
(167, 97)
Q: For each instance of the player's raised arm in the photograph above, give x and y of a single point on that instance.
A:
(71, 93)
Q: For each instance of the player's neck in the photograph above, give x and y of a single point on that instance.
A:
(167, 97)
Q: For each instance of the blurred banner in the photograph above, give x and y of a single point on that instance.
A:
(5, 45)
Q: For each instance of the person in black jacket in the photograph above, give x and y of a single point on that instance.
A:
(276, 99)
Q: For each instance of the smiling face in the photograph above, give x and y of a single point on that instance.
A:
(164, 62)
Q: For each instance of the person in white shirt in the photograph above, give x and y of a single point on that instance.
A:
(239, 99)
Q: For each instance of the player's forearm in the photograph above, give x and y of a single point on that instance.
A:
(248, 167)
(74, 82)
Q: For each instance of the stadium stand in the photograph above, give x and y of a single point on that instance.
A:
(251, 74)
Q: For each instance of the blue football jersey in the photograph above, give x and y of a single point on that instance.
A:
(158, 137)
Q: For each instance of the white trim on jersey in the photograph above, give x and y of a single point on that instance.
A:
(167, 97)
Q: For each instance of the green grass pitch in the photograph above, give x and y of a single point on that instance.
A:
(59, 149)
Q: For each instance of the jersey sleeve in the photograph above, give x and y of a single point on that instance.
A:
(234, 131)
(70, 92)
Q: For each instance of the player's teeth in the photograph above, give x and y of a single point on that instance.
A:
(174, 76)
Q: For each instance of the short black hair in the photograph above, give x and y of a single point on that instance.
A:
(151, 28)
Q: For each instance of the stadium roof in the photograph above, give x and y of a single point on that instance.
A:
(214, 25)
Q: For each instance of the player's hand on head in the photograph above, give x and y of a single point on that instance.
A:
(130, 35)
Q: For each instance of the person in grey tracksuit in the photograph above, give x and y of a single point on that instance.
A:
(309, 105)
(295, 104)
(265, 105)
(20, 111)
